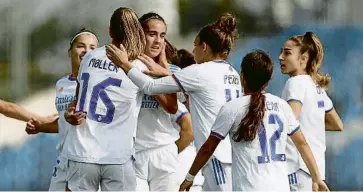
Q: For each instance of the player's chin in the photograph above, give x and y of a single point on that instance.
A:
(284, 70)
(154, 53)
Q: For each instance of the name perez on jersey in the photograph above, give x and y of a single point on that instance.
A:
(231, 79)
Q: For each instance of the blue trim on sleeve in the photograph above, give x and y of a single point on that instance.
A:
(296, 129)
(180, 116)
(327, 111)
(71, 79)
(179, 84)
(294, 100)
(219, 136)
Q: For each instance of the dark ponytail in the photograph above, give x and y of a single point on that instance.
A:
(257, 69)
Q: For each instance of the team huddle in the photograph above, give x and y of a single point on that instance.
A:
(139, 115)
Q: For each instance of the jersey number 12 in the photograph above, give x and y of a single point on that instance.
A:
(265, 158)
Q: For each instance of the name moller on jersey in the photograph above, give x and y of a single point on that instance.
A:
(104, 65)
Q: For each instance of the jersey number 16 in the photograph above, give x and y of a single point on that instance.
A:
(98, 92)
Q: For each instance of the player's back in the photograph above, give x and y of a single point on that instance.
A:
(261, 163)
(112, 103)
(216, 82)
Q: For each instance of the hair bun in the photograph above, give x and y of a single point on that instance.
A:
(227, 23)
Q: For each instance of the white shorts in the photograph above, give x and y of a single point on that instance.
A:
(156, 169)
(186, 158)
(89, 177)
(217, 175)
(58, 181)
(300, 181)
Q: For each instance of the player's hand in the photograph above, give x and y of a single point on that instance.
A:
(155, 69)
(33, 127)
(162, 61)
(320, 186)
(185, 186)
(117, 55)
(73, 117)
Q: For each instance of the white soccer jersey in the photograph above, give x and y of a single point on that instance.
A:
(209, 85)
(65, 94)
(154, 126)
(261, 163)
(112, 103)
(315, 103)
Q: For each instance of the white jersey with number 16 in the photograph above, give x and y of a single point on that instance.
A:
(112, 103)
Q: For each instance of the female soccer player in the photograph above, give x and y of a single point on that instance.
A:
(101, 150)
(210, 84)
(301, 58)
(258, 124)
(183, 59)
(157, 142)
(82, 42)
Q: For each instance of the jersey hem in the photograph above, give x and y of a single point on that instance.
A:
(296, 129)
(219, 136)
(110, 161)
(296, 100)
(327, 111)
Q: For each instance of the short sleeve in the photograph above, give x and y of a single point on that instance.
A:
(292, 123)
(182, 110)
(293, 91)
(224, 121)
(188, 79)
(174, 68)
(328, 104)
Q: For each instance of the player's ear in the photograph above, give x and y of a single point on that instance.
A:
(204, 46)
(69, 52)
(304, 59)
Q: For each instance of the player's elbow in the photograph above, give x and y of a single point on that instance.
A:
(6, 108)
(340, 126)
(187, 136)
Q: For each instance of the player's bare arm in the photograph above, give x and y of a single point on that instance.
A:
(203, 155)
(186, 132)
(296, 108)
(309, 159)
(15, 111)
(168, 102)
(34, 126)
(333, 121)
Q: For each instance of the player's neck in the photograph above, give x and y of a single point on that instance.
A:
(296, 73)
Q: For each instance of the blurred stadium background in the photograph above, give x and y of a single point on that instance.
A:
(35, 34)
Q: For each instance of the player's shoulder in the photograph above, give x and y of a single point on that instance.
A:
(238, 103)
(174, 68)
(139, 65)
(98, 50)
(298, 81)
(65, 80)
(276, 99)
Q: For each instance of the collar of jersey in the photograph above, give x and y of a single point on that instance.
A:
(221, 61)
